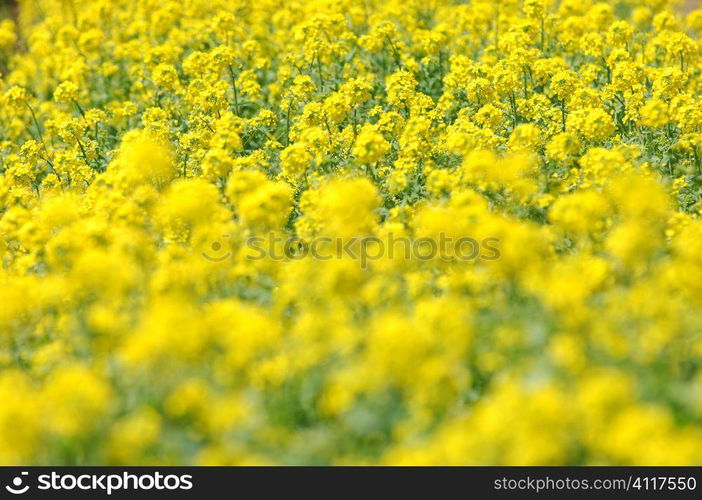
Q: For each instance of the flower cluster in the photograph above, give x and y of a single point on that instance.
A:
(138, 138)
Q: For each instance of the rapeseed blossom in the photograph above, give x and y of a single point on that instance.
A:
(144, 145)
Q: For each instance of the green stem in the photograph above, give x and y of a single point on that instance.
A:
(85, 155)
(287, 125)
(36, 122)
(236, 93)
(395, 53)
(543, 34)
(80, 109)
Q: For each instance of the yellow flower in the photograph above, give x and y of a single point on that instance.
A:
(78, 398)
(370, 146)
(143, 159)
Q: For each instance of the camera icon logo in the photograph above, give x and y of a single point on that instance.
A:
(16, 488)
(219, 253)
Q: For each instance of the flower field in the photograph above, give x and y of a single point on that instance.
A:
(145, 144)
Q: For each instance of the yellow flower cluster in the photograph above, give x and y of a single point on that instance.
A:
(145, 144)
